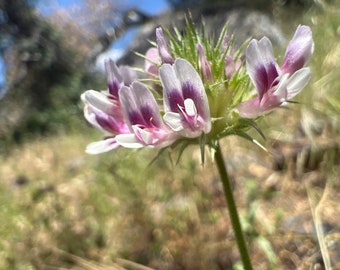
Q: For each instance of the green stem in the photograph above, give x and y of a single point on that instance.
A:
(235, 221)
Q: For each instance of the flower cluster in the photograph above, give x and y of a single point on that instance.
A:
(204, 90)
(275, 84)
(128, 111)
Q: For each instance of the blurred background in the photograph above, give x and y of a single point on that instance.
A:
(63, 209)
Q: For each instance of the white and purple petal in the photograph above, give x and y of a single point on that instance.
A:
(128, 74)
(162, 47)
(101, 101)
(277, 85)
(205, 66)
(150, 137)
(261, 65)
(152, 60)
(193, 88)
(183, 86)
(102, 113)
(139, 106)
(255, 107)
(114, 78)
(104, 121)
(143, 117)
(299, 50)
(172, 92)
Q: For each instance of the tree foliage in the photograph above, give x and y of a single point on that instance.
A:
(47, 68)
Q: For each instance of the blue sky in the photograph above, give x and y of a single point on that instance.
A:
(148, 6)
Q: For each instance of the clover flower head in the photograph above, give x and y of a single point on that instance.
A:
(203, 97)
(197, 86)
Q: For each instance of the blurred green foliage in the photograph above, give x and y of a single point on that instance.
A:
(45, 75)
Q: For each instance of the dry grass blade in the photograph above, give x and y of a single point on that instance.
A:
(88, 265)
(84, 264)
(132, 265)
(315, 208)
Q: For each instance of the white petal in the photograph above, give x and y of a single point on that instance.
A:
(145, 99)
(91, 117)
(186, 72)
(97, 100)
(112, 71)
(137, 98)
(261, 65)
(101, 146)
(266, 50)
(299, 50)
(259, 53)
(155, 138)
(174, 121)
(170, 84)
(146, 135)
(190, 107)
(297, 82)
(281, 88)
(162, 47)
(129, 75)
(128, 101)
(129, 141)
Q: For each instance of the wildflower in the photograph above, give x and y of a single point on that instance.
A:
(231, 66)
(205, 66)
(130, 116)
(275, 84)
(102, 112)
(162, 47)
(103, 109)
(199, 91)
(154, 57)
(299, 50)
(151, 60)
(185, 100)
(142, 114)
(117, 77)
